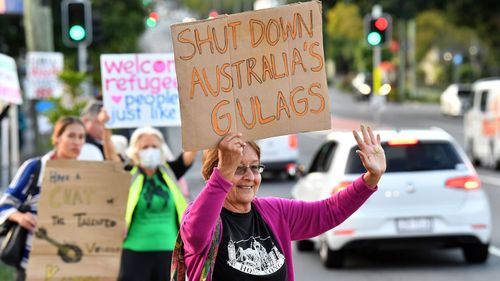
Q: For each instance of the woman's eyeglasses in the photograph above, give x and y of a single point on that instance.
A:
(255, 169)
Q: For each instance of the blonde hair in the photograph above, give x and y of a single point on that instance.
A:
(133, 151)
(210, 159)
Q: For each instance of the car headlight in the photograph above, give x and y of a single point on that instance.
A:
(385, 89)
(365, 89)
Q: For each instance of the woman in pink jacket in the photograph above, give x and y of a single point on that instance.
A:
(230, 234)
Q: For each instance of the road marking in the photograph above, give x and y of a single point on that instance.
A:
(494, 251)
(490, 180)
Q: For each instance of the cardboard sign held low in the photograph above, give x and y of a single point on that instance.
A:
(261, 73)
(80, 222)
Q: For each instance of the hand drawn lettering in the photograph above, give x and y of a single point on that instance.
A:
(60, 196)
(259, 70)
(83, 220)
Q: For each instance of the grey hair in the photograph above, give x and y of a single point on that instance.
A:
(92, 109)
(133, 151)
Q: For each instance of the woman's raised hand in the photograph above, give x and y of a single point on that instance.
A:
(372, 155)
(103, 116)
(230, 154)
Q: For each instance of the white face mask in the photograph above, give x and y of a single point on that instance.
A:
(150, 158)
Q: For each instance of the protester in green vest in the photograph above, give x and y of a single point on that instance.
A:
(154, 208)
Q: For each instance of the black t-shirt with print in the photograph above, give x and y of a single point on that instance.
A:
(248, 250)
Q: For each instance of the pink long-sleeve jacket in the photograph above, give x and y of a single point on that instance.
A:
(287, 219)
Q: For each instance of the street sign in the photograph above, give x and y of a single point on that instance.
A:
(42, 75)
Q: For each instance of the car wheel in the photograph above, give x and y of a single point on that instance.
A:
(305, 245)
(477, 253)
(470, 153)
(497, 165)
(330, 258)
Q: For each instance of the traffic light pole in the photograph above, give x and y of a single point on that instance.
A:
(377, 54)
(377, 100)
(82, 67)
(82, 57)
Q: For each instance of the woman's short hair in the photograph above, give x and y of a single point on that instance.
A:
(133, 151)
(210, 159)
(62, 124)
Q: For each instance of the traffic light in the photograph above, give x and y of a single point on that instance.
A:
(76, 22)
(213, 14)
(152, 19)
(379, 31)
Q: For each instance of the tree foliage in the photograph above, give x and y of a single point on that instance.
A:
(12, 41)
(433, 30)
(72, 101)
(200, 6)
(344, 31)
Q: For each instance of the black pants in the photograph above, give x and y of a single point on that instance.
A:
(145, 266)
(21, 274)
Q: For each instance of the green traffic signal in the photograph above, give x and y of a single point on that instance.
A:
(77, 33)
(150, 22)
(374, 38)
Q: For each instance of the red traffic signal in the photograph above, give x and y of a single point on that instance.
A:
(213, 14)
(381, 24)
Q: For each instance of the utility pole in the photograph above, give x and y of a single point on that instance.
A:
(402, 60)
(377, 101)
(412, 61)
(38, 26)
(77, 31)
(39, 37)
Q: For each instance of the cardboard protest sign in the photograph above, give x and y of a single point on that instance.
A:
(140, 89)
(80, 221)
(10, 91)
(42, 75)
(261, 73)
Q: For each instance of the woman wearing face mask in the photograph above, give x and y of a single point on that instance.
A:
(68, 138)
(154, 208)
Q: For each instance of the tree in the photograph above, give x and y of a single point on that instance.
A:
(433, 30)
(344, 29)
(71, 102)
(12, 40)
(202, 7)
(484, 18)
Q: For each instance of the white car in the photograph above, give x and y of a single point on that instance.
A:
(280, 155)
(430, 196)
(455, 100)
(481, 124)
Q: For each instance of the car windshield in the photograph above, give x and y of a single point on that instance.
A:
(424, 156)
(464, 93)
